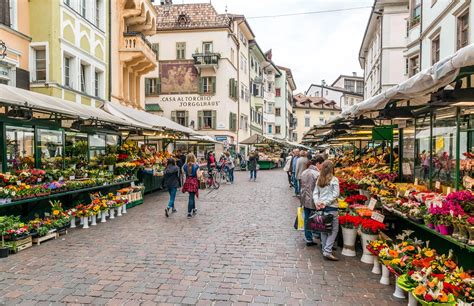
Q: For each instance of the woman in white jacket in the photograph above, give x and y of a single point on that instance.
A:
(325, 197)
(287, 168)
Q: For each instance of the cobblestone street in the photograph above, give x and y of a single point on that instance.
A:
(241, 248)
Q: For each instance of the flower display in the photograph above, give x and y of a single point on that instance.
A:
(350, 221)
(371, 227)
(356, 199)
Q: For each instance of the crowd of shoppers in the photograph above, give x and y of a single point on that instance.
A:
(318, 189)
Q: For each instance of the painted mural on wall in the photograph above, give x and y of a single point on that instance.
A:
(178, 77)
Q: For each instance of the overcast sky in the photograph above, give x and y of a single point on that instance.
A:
(316, 47)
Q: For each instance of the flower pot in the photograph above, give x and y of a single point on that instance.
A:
(385, 278)
(112, 213)
(411, 300)
(119, 211)
(377, 268)
(85, 222)
(73, 222)
(4, 252)
(444, 229)
(436, 227)
(349, 236)
(82, 221)
(94, 220)
(103, 216)
(471, 235)
(124, 208)
(398, 293)
(367, 257)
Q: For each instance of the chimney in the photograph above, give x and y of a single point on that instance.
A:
(354, 73)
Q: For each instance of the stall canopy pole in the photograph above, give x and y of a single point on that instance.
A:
(458, 148)
(391, 155)
(400, 155)
(431, 152)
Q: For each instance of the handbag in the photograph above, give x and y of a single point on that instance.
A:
(320, 222)
(299, 221)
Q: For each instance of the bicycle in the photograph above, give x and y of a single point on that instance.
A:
(211, 179)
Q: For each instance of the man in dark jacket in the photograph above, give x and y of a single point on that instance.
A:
(180, 163)
(171, 182)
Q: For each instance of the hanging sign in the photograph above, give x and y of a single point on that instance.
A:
(406, 169)
(383, 132)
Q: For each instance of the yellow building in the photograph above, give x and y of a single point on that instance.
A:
(311, 111)
(132, 55)
(14, 44)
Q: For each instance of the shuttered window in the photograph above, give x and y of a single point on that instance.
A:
(22, 78)
(152, 86)
(5, 12)
(463, 30)
(207, 120)
(232, 122)
(207, 85)
(233, 92)
(180, 117)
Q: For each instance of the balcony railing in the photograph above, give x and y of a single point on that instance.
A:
(137, 42)
(206, 59)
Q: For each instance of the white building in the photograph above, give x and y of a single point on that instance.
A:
(382, 51)
(203, 79)
(436, 29)
(346, 90)
(284, 121)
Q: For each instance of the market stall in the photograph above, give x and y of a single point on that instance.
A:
(269, 150)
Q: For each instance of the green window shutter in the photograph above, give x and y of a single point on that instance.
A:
(201, 85)
(236, 90)
(214, 119)
(158, 86)
(200, 119)
(147, 86)
(234, 122)
(213, 85)
(186, 118)
(230, 121)
(173, 116)
(231, 83)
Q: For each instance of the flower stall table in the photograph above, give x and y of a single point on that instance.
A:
(266, 164)
(151, 182)
(463, 253)
(34, 205)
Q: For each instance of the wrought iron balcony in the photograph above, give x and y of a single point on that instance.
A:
(202, 60)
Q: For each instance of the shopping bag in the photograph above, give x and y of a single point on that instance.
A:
(299, 221)
(320, 222)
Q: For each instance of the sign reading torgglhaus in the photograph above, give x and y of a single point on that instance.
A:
(190, 101)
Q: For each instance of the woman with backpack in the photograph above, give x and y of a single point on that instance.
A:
(191, 184)
(325, 197)
(171, 182)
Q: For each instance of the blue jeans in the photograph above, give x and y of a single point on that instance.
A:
(308, 234)
(172, 192)
(328, 239)
(296, 183)
(230, 173)
(191, 202)
(253, 174)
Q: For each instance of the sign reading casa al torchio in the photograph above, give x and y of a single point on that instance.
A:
(191, 101)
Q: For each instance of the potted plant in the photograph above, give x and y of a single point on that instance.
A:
(349, 224)
(5, 224)
(369, 231)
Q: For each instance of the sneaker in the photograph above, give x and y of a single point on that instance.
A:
(309, 244)
(174, 210)
(195, 211)
(167, 212)
(331, 257)
(190, 216)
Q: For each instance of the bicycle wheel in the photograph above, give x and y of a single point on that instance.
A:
(216, 184)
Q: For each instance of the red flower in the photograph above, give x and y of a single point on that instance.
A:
(372, 226)
(356, 199)
(449, 288)
(350, 220)
(439, 276)
(428, 297)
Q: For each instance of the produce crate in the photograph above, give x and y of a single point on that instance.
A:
(51, 235)
(20, 245)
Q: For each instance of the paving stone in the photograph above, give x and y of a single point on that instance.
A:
(240, 249)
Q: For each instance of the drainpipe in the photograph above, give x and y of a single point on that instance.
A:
(110, 46)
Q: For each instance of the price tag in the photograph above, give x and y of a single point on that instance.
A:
(438, 185)
(407, 193)
(372, 203)
(416, 181)
(378, 217)
(61, 178)
(72, 177)
(133, 184)
(46, 214)
(18, 183)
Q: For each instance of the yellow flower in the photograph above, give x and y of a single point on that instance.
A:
(429, 253)
(55, 212)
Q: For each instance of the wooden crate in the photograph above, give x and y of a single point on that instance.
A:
(38, 240)
(20, 245)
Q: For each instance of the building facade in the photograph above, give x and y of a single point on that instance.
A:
(436, 29)
(258, 60)
(69, 53)
(14, 43)
(345, 90)
(202, 79)
(312, 110)
(382, 49)
(132, 55)
(284, 121)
